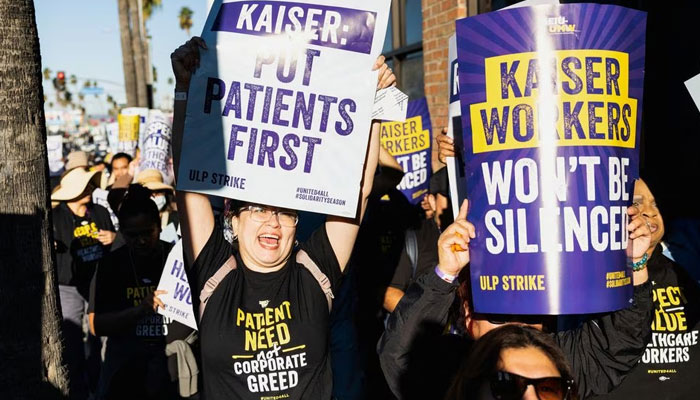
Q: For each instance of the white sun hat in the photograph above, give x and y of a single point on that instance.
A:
(73, 184)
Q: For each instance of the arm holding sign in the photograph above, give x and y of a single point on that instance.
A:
(411, 348)
(343, 231)
(196, 215)
(603, 350)
(104, 320)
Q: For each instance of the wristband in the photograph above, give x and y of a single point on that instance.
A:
(445, 277)
(641, 264)
(180, 96)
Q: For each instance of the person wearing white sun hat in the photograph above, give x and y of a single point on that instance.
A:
(83, 233)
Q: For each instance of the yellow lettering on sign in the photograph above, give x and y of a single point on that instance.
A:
(585, 95)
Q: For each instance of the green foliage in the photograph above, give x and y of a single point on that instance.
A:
(185, 18)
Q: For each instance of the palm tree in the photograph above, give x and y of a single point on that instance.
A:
(139, 54)
(186, 19)
(127, 54)
(47, 73)
(73, 79)
(149, 6)
(30, 336)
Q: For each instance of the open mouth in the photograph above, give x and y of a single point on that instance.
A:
(269, 241)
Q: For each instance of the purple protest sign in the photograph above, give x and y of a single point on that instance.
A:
(409, 143)
(328, 26)
(551, 100)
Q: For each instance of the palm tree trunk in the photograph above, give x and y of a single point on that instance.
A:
(30, 337)
(127, 54)
(137, 46)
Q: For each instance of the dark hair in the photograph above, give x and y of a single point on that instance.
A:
(464, 297)
(121, 155)
(483, 361)
(232, 207)
(137, 201)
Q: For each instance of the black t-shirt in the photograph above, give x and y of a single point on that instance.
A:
(77, 247)
(135, 361)
(122, 282)
(265, 335)
(671, 362)
(427, 256)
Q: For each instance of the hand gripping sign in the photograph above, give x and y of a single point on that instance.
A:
(551, 100)
(279, 110)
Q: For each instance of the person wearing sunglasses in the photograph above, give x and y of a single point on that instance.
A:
(264, 333)
(512, 363)
(419, 360)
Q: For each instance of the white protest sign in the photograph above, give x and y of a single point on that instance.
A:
(178, 299)
(155, 150)
(530, 3)
(455, 165)
(279, 109)
(54, 152)
(693, 85)
(99, 197)
(112, 130)
(390, 104)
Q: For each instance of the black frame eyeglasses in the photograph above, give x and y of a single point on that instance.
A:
(263, 214)
(510, 386)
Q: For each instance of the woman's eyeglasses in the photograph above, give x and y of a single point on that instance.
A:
(263, 214)
(509, 386)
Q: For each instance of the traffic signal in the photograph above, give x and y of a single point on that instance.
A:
(60, 81)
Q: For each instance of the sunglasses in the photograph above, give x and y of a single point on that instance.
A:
(509, 386)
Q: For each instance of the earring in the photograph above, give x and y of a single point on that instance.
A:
(235, 237)
(296, 243)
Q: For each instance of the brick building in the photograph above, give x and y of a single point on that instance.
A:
(416, 47)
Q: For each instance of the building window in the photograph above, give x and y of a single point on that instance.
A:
(403, 46)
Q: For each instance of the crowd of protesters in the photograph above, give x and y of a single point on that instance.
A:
(377, 307)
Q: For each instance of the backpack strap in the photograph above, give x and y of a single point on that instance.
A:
(303, 258)
(412, 250)
(213, 282)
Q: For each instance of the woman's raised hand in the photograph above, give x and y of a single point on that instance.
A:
(185, 60)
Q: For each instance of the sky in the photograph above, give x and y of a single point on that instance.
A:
(81, 37)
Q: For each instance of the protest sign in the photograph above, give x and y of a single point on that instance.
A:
(693, 86)
(551, 100)
(128, 134)
(99, 197)
(456, 173)
(112, 130)
(178, 296)
(390, 104)
(142, 112)
(54, 152)
(279, 109)
(156, 152)
(409, 143)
